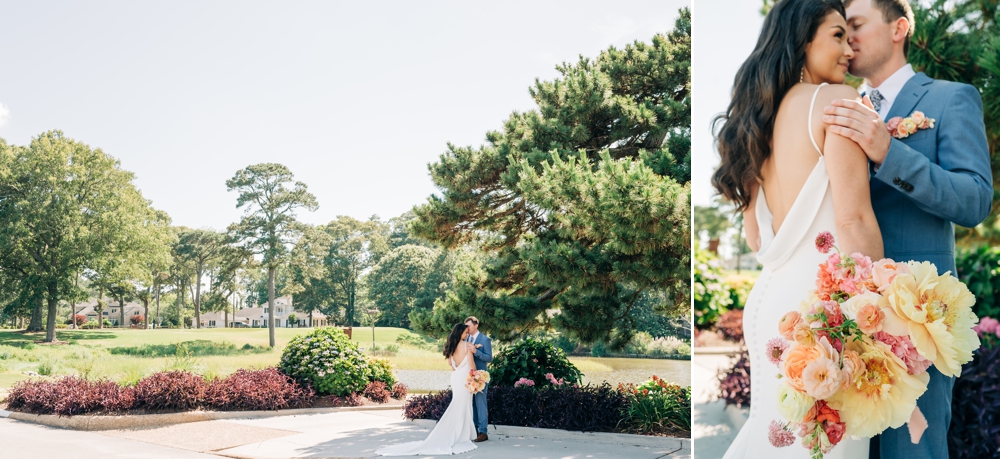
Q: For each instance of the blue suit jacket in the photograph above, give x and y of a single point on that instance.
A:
(483, 354)
(935, 177)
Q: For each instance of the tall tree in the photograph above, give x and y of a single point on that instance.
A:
(201, 248)
(394, 284)
(269, 227)
(64, 205)
(583, 204)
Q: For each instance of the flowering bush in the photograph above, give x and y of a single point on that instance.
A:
(657, 406)
(975, 408)
(531, 359)
(711, 295)
(327, 361)
(266, 389)
(172, 390)
(730, 325)
(69, 396)
(524, 382)
(382, 371)
(377, 392)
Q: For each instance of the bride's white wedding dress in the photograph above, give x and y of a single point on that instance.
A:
(454, 433)
(790, 263)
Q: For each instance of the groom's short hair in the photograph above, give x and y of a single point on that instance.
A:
(472, 319)
(892, 10)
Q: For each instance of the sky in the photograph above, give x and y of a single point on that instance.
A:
(724, 33)
(356, 98)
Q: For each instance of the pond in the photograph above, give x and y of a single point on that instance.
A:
(595, 371)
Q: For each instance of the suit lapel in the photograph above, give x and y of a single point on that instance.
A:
(912, 92)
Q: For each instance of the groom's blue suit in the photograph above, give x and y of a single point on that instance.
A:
(927, 182)
(483, 356)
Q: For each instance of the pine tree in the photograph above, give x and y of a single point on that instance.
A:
(582, 204)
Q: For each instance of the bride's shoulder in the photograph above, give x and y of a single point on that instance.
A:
(836, 91)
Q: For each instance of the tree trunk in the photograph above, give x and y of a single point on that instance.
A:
(100, 309)
(35, 324)
(197, 299)
(145, 312)
(270, 304)
(157, 302)
(50, 325)
(121, 307)
(225, 319)
(180, 310)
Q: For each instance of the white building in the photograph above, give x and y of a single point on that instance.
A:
(111, 312)
(257, 317)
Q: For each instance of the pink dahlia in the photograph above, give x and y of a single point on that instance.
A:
(986, 326)
(824, 242)
(779, 436)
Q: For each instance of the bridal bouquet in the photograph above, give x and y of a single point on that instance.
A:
(853, 359)
(477, 381)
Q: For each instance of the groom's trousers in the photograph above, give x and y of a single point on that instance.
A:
(935, 404)
(480, 415)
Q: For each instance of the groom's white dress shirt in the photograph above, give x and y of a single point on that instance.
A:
(891, 87)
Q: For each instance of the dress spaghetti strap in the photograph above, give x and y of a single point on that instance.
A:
(810, 119)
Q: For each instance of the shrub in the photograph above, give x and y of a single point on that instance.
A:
(171, 390)
(136, 320)
(975, 408)
(711, 294)
(979, 268)
(107, 323)
(579, 408)
(430, 406)
(670, 345)
(730, 325)
(382, 371)
(392, 348)
(734, 383)
(531, 359)
(327, 361)
(657, 406)
(89, 325)
(45, 369)
(80, 319)
(399, 391)
(267, 389)
(377, 392)
(70, 396)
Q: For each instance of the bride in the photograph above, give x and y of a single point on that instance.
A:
(455, 431)
(792, 179)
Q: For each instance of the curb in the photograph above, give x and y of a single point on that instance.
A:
(89, 423)
(572, 436)
(737, 416)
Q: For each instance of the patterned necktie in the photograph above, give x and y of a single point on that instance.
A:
(877, 99)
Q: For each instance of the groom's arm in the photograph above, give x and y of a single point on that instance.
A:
(959, 188)
(485, 353)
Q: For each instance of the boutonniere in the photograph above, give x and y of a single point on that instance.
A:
(902, 128)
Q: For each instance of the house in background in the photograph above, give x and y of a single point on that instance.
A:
(257, 317)
(111, 312)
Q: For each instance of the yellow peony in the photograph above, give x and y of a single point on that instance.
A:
(792, 404)
(936, 313)
(881, 395)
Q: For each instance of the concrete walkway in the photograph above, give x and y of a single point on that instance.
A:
(331, 435)
(712, 427)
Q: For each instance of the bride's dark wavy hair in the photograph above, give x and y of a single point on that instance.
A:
(453, 339)
(744, 140)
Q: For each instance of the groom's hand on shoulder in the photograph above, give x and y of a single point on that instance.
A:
(859, 122)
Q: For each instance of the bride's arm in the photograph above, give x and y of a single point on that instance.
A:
(847, 166)
(750, 225)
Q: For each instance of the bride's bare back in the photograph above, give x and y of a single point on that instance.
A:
(793, 158)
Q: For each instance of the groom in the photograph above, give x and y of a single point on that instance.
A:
(922, 184)
(482, 349)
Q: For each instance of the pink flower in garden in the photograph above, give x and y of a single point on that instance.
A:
(776, 347)
(903, 348)
(824, 242)
(986, 326)
(524, 382)
(779, 436)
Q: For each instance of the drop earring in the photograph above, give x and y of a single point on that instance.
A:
(802, 76)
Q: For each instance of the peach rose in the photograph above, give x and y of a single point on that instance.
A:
(822, 378)
(885, 270)
(786, 326)
(796, 360)
(853, 366)
(906, 127)
(918, 117)
(804, 333)
(870, 319)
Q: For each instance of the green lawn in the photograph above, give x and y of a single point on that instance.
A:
(126, 355)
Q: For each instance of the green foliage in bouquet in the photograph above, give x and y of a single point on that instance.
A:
(532, 359)
(328, 361)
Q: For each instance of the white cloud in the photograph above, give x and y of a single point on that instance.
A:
(4, 114)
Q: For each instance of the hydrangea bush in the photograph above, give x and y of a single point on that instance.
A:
(534, 360)
(327, 361)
